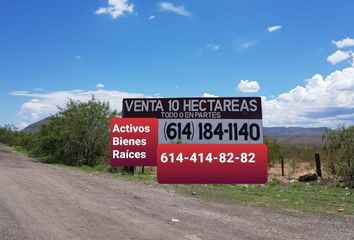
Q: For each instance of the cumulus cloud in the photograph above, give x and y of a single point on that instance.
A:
(346, 42)
(321, 102)
(116, 8)
(338, 57)
(43, 104)
(247, 86)
(274, 28)
(151, 17)
(169, 7)
(100, 85)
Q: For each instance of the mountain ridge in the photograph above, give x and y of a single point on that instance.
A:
(294, 131)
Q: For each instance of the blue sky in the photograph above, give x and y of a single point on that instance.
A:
(297, 54)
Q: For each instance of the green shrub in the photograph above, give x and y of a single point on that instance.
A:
(275, 151)
(77, 135)
(339, 147)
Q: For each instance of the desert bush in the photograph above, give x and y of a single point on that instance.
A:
(10, 136)
(339, 147)
(275, 151)
(77, 135)
(302, 153)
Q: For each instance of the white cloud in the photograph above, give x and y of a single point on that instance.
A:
(22, 125)
(274, 28)
(247, 86)
(346, 42)
(213, 46)
(43, 104)
(208, 95)
(151, 17)
(247, 44)
(321, 102)
(338, 57)
(116, 8)
(169, 7)
(100, 85)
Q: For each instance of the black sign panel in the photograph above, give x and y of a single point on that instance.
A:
(193, 108)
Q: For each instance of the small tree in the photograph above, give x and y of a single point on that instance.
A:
(275, 151)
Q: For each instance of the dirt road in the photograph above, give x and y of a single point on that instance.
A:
(39, 201)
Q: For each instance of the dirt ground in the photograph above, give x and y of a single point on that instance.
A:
(39, 201)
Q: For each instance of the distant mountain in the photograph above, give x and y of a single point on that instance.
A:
(34, 127)
(295, 135)
(293, 131)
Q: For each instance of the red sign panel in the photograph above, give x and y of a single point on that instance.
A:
(212, 163)
(133, 141)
